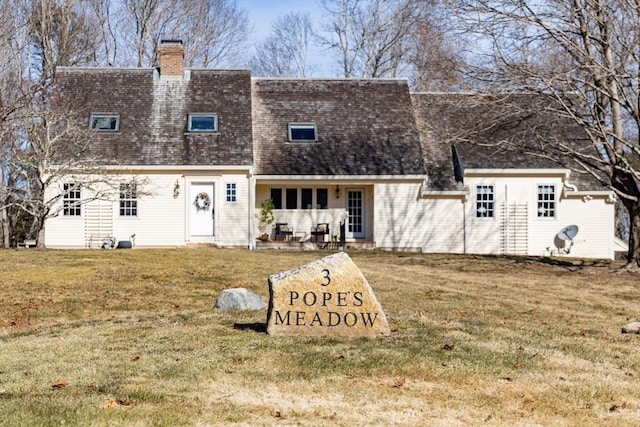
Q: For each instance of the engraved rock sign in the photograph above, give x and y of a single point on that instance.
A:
(329, 297)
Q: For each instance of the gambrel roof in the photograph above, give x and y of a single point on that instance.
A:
(364, 127)
(153, 115)
(492, 132)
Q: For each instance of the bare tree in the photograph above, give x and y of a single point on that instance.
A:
(61, 34)
(14, 93)
(583, 56)
(213, 31)
(107, 21)
(372, 37)
(434, 58)
(285, 53)
(49, 159)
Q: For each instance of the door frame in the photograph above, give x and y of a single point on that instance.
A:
(363, 213)
(189, 200)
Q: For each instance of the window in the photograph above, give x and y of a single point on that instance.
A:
(310, 198)
(484, 201)
(302, 132)
(128, 199)
(322, 198)
(204, 122)
(276, 196)
(546, 201)
(231, 192)
(105, 122)
(292, 198)
(306, 198)
(71, 200)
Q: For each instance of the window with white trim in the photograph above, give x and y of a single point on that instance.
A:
(302, 132)
(291, 198)
(71, 199)
(546, 201)
(310, 198)
(322, 198)
(306, 198)
(232, 192)
(276, 197)
(104, 122)
(128, 199)
(484, 201)
(203, 122)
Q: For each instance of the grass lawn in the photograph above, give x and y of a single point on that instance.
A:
(130, 338)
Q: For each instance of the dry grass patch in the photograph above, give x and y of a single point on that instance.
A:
(130, 338)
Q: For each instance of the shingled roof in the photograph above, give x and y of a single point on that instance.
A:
(492, 132)
(153, 115)
(364, 127)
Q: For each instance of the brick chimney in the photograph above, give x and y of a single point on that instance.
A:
(171, 59)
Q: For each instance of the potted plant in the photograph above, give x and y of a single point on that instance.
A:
(266, 218)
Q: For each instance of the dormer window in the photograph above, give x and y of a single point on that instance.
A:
(104, 122)
(302, 132)
(203, 122)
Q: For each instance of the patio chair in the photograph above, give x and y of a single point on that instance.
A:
(283, 231)
(320, 230)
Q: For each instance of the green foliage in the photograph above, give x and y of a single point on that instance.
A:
(266, 214)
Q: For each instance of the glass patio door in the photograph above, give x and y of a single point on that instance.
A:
(355, 208)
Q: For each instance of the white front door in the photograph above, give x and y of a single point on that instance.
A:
(201, 210)
(355, 208)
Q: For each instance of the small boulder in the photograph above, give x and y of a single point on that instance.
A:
(239, 299)
(631, 328)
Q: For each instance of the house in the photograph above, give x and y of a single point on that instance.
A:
(368, 158)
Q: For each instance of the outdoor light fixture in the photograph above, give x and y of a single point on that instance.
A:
(337, 191)
(176, 190)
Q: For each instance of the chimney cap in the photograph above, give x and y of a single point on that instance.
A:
(170, 41)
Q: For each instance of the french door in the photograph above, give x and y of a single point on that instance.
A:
(355, 208)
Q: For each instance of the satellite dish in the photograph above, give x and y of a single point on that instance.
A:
(565, 235)
(568, 233)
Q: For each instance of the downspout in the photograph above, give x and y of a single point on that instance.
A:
(464, 226)
(566, 185)
(506, 221)
(252, 209)
(465, 199)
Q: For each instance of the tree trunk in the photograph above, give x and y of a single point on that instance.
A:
(633, 256)
(40, 240)
(6, 229)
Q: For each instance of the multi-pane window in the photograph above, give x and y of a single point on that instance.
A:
(484, 201)
(546, 201)
(302, 132)
(322, 198)
(276, 197)
(203, 122)
(71, 199)
(309, 198)
(291, 198)
(104, 122)
(128, 199)
(306, 198)
(232, 192)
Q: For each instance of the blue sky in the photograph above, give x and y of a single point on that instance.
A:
(263, 12)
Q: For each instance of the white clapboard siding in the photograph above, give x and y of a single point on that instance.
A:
(514, 229)
(405, 221)
(98, 222)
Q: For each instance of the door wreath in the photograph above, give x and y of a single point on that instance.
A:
(202, 201)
